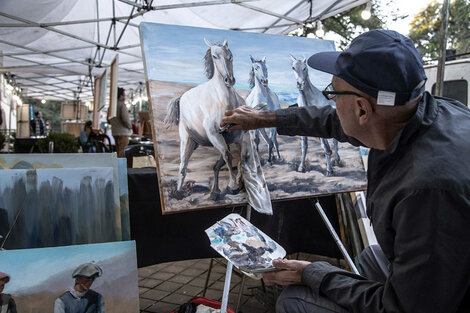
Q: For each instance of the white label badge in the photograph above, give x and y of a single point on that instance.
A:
(386, 98)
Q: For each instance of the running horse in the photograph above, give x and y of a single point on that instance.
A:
(311, 96)
(263, 97)
(198, 114)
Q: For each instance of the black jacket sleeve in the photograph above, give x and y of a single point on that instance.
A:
(312, 121)
(430, 269)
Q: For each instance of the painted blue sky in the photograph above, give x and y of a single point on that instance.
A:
(28, 267)
(175, 54)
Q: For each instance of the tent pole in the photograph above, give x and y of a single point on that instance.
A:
(442, 51)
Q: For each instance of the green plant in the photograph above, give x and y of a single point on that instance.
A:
(63, 143)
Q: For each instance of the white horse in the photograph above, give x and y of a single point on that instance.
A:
(262, 96)
(198, 113)
(311, 96)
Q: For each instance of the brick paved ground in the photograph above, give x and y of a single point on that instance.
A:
(164, 287)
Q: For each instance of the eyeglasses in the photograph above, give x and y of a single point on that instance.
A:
(329, 92)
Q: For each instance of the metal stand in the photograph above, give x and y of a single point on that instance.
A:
(335, 237)
(228, 277)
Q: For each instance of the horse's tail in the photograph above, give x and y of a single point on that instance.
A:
(173, 112)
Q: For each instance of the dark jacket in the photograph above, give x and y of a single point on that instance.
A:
(7, 301)
(42, 127)
(418, 200)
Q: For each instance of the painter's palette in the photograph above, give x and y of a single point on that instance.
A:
(244, 245)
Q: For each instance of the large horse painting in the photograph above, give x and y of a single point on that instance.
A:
(194, 75)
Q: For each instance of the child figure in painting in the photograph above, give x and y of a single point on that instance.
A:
(7, 304)
(80, 298)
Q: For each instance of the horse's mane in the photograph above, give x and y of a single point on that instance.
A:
(208, 63)
(251, 81)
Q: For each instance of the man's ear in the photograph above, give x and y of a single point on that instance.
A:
(363, 110)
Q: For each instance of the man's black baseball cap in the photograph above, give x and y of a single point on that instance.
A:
(381, 63)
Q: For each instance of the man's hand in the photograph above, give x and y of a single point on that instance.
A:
(247, 118)
(290, 273)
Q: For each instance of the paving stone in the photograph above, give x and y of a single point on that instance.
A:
(214, 294)
(190, 290)
(192, 272)
(145, 303)
(182, 279)
(169, 286)
(218, 285)
(162, 275)
(162, 307)
(201, 264)
(214, 277)
(144, 272)
(177, 298)
(198, 281)
(155, 294)
(149, 282)
(173, 269)
(219, 269)
(142, 290)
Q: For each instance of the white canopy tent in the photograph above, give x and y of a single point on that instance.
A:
(51, 48)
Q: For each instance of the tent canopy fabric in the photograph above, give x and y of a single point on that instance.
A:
(51, 48)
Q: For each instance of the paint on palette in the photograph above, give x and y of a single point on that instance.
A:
(244, 245)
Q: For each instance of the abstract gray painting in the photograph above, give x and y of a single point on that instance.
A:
(56, 207)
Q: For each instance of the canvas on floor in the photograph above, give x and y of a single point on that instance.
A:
(82, 278)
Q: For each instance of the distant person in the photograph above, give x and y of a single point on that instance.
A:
(80, 298)
(7, 304)
(121, 124)
(108, 132)
(37, 125)
(86, 138)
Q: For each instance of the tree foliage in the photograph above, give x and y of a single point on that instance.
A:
(425, 28)
(349, 24)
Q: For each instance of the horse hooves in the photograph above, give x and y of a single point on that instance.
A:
(301, 169)
(338, 163)
(231, 191)
(216, 196)
(329, 173)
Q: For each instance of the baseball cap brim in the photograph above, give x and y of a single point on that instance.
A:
(324, 61)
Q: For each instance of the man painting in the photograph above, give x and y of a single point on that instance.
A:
(418, 194)
(80, 298)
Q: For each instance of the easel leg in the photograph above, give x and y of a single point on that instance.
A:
(228, 276)
(207, 277)
(335, 237)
